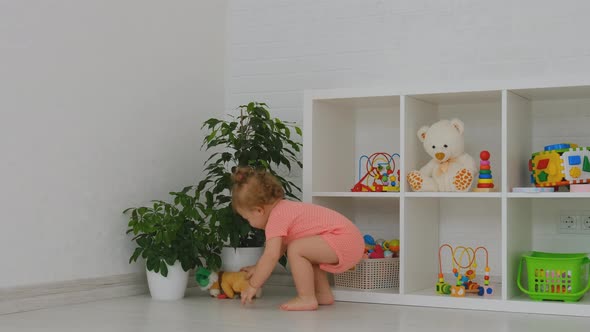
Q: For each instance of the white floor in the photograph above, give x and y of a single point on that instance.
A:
(198, 312)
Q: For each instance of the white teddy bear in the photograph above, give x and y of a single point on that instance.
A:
(451, 169)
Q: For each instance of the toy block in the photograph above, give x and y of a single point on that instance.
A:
(458, 291)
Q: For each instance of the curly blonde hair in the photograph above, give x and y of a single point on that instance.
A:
(252, 187)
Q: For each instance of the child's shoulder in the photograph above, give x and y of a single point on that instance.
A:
(295, 206)
(286, 204)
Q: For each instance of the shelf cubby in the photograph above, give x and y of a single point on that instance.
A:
(536, 118)
(431, 222)
(479, 111)
(345, 129)
(378, 216)
(532, 226)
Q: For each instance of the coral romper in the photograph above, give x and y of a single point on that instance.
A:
(294, 220)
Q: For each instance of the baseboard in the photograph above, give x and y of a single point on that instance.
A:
(88, 290)
(71, 292)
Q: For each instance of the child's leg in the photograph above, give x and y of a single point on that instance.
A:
(323, 292)
(303, 254)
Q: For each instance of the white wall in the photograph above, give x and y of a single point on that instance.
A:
(101, 104)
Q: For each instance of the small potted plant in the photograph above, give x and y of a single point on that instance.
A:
(251, 138)
(173, 238)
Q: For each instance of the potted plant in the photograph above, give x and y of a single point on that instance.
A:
(173, 238)
(251, 138)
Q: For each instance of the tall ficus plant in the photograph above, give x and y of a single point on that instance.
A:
(251, 138)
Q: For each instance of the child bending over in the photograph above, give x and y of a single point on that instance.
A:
(317, 240)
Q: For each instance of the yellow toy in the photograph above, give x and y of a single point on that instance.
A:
(228, 282)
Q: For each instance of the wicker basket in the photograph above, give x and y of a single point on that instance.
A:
(371, 274)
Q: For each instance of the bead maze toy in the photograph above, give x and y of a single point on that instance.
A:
(485, 181)
(381, 173)
(560, 165)
(465, 282)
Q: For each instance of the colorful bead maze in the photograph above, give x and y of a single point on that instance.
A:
(381, 173)
(560, 165)
(465, 273)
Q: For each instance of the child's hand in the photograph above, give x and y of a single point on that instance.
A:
(249, 271)
(248, 294)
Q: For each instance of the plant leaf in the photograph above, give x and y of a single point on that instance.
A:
(163, 268)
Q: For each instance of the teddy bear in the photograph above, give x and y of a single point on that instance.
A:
(229, 283)
(450, 169)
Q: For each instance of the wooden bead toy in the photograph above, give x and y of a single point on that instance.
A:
(485, 182)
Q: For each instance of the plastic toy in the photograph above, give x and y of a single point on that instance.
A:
(485, 181)
(377, 253)
(465, 282)
(229, 283)
(381, 173)
(380, 248)
(451, 168)
(560, 165)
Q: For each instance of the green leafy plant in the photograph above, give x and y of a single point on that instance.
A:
(252, 138)
(167, 232)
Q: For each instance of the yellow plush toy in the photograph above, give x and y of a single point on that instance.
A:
(228, 282)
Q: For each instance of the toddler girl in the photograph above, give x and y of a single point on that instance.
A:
(317, 240)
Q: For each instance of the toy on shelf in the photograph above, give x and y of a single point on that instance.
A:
(380, 248)
(381, 173)
(465, 274)
(451, 168)
(554, 276)
(379, 268)
(560, 165)
(485, 181)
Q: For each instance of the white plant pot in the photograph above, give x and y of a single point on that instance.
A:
(168, 288)
(232, 260)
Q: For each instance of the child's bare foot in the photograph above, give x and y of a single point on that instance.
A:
(299, 304)
(325, 298)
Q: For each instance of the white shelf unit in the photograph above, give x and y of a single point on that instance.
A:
(342, 125)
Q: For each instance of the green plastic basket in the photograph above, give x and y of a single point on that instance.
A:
(561, 277)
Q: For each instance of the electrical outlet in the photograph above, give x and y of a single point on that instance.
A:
(585, 223)
(568, 224)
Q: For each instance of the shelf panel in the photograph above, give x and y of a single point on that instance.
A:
(523, 302)
(549, 195)
(354, 194)
(429, 298)
(383, 296)
(496, 295)
(454, 195)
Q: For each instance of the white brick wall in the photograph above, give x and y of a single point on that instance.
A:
(278, 48)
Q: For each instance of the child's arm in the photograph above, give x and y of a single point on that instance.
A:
(250, 269)
(268, 261)
(264, 267)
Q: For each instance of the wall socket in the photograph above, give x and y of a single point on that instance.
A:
(568, 224)
(574, 222)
